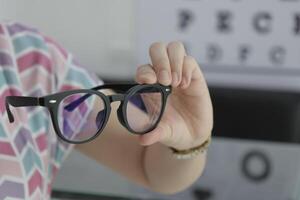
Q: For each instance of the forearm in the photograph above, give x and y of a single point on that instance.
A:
(166, 174)
(152, 166)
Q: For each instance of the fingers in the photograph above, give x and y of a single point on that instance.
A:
(145, 75)
(193, 78)
(189, 71)
(167, 62)
(170, 65)
(160, 61)
(176, 53)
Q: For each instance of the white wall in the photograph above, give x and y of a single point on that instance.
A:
(104, 35)
(98, 32)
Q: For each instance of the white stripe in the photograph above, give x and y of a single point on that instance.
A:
(5, 51)
(11, 178)
(39, 68)
(57, 50)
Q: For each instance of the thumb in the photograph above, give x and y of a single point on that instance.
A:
(162, 133)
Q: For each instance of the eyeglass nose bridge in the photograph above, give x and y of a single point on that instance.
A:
(116, 97)
(119, 97)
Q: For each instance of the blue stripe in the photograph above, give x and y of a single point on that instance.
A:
(7, 77)
(79, 78)
(30, 160)
(26, 41)
(38, 121)
(59, 154)
(2, 132)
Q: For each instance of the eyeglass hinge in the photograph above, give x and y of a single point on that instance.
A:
(41, 101)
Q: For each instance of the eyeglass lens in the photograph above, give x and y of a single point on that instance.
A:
(144, 109)
(76, 120)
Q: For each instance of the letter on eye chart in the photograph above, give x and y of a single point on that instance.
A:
(214, 53)
(186, 17)
(277, 55)
(224, 21)
(244, 53)
(297, 24)
(262, 22)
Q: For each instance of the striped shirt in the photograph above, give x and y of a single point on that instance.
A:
(32, 64)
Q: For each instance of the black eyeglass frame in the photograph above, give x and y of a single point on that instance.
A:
(124, 92)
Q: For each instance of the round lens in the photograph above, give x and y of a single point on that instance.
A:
(144, 109)
(76, 119)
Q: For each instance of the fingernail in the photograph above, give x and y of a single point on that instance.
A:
(164, 76)
(175, 79)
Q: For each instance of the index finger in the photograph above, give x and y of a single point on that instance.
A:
(160, 62)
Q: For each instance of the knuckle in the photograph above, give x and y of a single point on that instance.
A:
(163, 63)
(177, 65)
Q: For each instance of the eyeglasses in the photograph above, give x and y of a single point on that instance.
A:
(79, 116)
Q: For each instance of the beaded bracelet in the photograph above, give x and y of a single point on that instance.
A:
(192, 152)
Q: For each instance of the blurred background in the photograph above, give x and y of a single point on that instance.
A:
(249, 51)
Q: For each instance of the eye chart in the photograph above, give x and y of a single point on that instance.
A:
(248, 42)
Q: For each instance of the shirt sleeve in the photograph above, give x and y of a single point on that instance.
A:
(33, 64)
(69, 74)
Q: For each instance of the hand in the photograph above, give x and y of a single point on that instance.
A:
(188, 119)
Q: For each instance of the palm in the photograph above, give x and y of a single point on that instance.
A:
(188, 119)
(188, 115)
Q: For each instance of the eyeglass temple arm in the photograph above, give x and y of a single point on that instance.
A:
(122, 88)
(21, 101)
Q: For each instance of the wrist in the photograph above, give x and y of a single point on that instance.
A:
(195, 142)
(191, 152)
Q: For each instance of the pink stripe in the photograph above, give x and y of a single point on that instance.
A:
(3, 43)
(59, 60)
(36, 78)
(42, 142)
(34, 58)
(49, 189)
(6, 149)
(35, 182)
(67, 87)
(7, 92)
(11, 168)
(54, 172)
(58, 46)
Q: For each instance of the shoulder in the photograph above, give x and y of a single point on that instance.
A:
(26, 38)
(32, 49)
